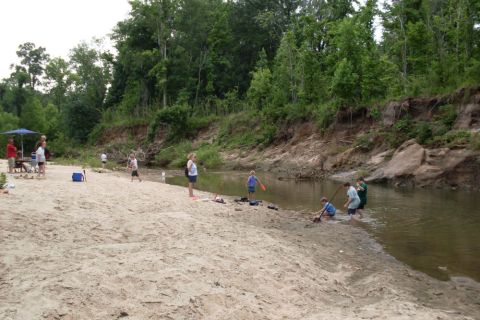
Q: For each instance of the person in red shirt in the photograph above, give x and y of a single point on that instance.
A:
(11, 155)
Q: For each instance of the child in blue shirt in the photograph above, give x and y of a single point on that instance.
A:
(251, 182)
(328, 208)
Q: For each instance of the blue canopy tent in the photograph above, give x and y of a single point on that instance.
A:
(21, 132)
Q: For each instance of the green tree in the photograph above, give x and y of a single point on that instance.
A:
(80, 117)
(58, 78)
(259, 91)
(53, 121)
(33, 59)
(344, 83)
(33, 115)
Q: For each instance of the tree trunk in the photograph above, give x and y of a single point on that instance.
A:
(165, 76)
(162, 47)
(203, 56)
(404, 51)
(292, 79)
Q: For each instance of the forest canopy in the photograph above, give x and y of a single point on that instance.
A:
(284, 60)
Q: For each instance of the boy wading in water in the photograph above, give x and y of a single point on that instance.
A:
(251, 182)
(353, 200)
(133, 165)
(362, 189)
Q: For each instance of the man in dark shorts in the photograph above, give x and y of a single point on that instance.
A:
(362, 189)
(133, 165)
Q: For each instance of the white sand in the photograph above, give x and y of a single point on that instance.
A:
(111, 249)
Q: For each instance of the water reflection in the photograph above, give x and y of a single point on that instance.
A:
(435, 231)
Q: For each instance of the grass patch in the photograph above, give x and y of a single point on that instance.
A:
(239, 131)
(3, 180)
(366, 142)
(324, 116)
(363, 173)
(209, 156)
(82, 157)
(475, 141)
(454, 138)
(175, 156)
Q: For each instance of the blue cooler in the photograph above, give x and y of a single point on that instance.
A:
(77, 177)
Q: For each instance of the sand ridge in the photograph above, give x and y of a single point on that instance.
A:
(115, 249)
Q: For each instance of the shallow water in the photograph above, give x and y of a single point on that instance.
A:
(434, 231)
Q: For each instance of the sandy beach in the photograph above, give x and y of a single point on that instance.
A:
(113, 249)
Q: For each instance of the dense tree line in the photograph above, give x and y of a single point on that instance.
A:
(284, 59)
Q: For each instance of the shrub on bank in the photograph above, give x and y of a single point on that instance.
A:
(209, 156)
(475, 141)
(175, 156)
(180, 123)
(454, 138)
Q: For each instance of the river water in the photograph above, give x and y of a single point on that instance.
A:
(434, 231)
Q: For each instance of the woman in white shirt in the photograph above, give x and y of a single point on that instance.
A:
(41, 158)
(192, 172)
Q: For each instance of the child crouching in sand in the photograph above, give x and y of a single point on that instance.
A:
(133, 165)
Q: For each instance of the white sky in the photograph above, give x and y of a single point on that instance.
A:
(57, 25)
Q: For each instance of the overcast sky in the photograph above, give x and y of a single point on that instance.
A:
(57, 25)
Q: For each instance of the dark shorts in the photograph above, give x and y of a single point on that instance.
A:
(330, 214)
(251, 189)
(134, 173)
(192, 179)
(104, 162)
(41, 163)
(351, 211)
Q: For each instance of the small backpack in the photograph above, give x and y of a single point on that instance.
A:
(186, 171)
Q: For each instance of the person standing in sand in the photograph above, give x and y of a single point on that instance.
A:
(43, 138)
(41, 159)
(192, 173)
(362, 189)
(353, 200)
(133, 165)
(103, 157)
(11, 155)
